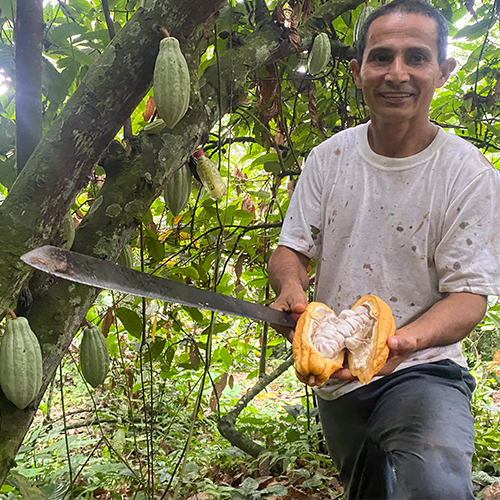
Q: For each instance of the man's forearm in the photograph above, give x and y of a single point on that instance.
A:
(446, 322)
(286, 266)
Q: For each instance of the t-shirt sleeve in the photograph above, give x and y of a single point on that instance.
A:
(468, 256)
(303, 227)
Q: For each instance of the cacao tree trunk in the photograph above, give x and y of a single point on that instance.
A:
(63, 161)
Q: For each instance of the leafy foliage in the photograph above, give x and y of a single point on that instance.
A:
(130, 436)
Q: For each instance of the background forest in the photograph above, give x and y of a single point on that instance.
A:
(75, 96)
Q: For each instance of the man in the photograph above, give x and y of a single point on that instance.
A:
(401, 209)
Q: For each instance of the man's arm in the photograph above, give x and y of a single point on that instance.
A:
(448, 321)
(289, 280)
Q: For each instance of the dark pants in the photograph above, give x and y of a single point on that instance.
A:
(409, 435)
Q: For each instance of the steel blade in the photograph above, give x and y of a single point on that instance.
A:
(104, 274)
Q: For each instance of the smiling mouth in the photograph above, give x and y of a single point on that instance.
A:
(394, 95)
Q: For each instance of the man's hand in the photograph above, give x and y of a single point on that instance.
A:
(288, 278)
(293, 300)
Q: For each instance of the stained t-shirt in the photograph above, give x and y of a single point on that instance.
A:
(409, 229)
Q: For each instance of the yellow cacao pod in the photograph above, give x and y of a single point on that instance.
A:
(171, 82)
(178, 190)
(320, 54)
(210, 177)
(20, 363)
(322, 339)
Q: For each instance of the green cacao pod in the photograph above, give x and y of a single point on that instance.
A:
(319, 55)
(126, 258)
(94, 356)
(67, 231)
(20, 363)
(154, 127)
(363, 15)
(178, 190)
(171, 82)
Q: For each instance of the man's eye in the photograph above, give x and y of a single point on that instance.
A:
(417, 58)
(381, 58)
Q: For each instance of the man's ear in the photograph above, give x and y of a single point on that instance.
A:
(356, 72)
(445, 69)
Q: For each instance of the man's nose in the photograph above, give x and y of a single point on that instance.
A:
(397, 72)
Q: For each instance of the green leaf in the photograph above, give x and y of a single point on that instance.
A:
(226, 357)
(474, 31)
(272, 167)
(156, 248)
(265, 158)
(54, 84)
(195, 314)
(60, 34)
(131, 321)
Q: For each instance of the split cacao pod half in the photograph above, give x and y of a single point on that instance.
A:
(178, 190)
(171, 82)
(126, 258)
(21, 367)
(322, 339)
(94, 356)
(320, 54)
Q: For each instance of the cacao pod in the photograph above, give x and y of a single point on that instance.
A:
(154, 127)
(68, 232)
(171, 82)
(322, 339)
(210, 176)
(363, 16)
(94, 356)
(21, 366)
(126, 258)
(320, 54)
(178, 190)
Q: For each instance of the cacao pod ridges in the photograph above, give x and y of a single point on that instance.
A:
(94, 356)
(178, 190)
(171, 82)
(21, 365)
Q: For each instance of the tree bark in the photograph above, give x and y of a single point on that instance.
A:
(28, 38)
(47, 186)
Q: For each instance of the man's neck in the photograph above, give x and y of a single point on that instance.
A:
(396, 140)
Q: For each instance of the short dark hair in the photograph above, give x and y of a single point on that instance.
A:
(407, 7)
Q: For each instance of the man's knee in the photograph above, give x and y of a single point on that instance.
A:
(438, 472)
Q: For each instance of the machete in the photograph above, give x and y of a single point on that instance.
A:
(103, 274)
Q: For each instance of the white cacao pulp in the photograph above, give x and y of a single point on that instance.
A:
(352, 329)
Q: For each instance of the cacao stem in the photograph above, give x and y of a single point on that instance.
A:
(12, 313)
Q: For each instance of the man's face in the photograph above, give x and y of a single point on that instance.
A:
(400, 70)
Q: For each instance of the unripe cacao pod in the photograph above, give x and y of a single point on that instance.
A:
(67, 231)
(171, 82)
(322, 339)
(210, 176)
(320, 54)
(363, 16)
(94, 356)
(178, 190)
(126, 258)
(21, 366)
(154, 127)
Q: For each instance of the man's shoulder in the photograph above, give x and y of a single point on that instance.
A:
(459, 151)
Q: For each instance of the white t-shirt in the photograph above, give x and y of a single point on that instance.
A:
(406, 229)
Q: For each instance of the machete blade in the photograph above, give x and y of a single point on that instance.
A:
(106, 275)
